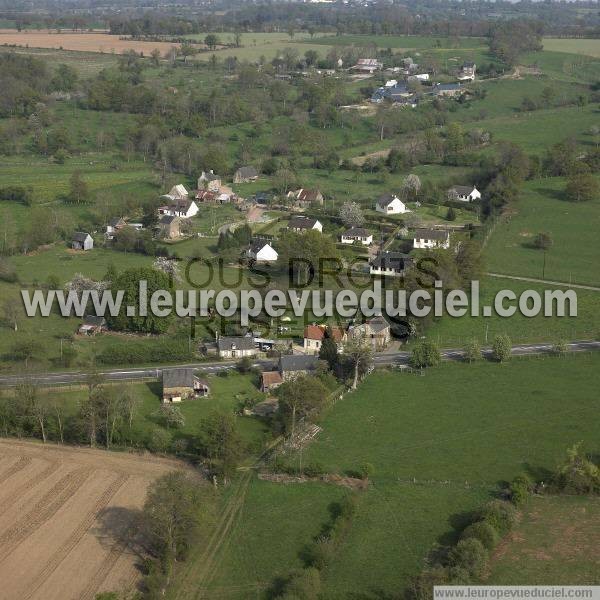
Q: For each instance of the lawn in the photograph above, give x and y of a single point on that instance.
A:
(556, 542)
(589, 47)
(575, 253)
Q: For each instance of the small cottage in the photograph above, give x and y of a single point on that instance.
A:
(181, 384)
(82, 241)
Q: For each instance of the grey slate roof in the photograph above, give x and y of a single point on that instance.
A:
(378, 324)
(385, 199)
(178, 378)
(80, 236)
(297, 362)
(432, 234)
(247, 172)
(238, 342)
(463, 189)
(357, 232)
(258, 245)
(391, 260)
(301, 223)
(94, 321)
(167, 219)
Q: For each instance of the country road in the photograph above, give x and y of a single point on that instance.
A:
(380, 360)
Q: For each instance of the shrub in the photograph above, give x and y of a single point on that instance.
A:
(426, 354)
(483, 532)
(319, 553)
(501, 348)
(314, 469)
(421, 586)
(520, 489)
(303, 585)
(500, 515)
(366, 470)
(158, 440)
(471, 556)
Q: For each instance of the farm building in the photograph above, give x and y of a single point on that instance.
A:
(294, 365)
(236, 347)
(431, 238)
(367, 65)
(465, 193)
(390, 264)
(113, 226)
(315, 334)
(209, 181)
(448, 89)
(467, 71)
(92, 325)
(304, 198)
(82, 241)
(390, 204)
(262, 251)
(178, 192)
(270, 380)
(357, 234)
(245, 175)
(377, 331)
(181, 384)
(302, 224)
(169, 226)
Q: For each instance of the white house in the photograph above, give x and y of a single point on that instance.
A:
(301, 224)
(390, 204)
(431, 238)
(466, 193)
(262, 251)
(390, 264)
(210, 181)
(367, 65)
(357, 234)
(315, 334)
(236, 347)
(184, 208)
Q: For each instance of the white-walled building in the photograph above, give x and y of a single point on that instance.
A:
(390, 204)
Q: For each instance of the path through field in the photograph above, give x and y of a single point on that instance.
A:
(63, 513)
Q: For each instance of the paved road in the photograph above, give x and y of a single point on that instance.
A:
(381, 359)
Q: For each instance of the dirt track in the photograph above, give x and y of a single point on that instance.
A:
(62, 511)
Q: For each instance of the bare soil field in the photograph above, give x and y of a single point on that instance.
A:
(81, 42)
(63, 512)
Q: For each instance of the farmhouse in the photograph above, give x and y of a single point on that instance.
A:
(367, 65)
(236, 347)
(315, 334)
(467, 71)
(390, 204)
(304, 198)
(181, 384)
(465, 193)
(431, 238)
(270, 380)
(390, 264)
(182, 207)
(206, 196)
(295, 365)
(245, 175)
(82, 241)
(357, 234)
(169, 227)
(302, 224)
(209, 181)
(448, 89)
(377, 331)
(113, 226)
(262, 251)
(92, 325)
(394, 93)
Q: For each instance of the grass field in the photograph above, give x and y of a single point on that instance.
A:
(575, 254)
(397, 42)
(439, 446)
(589, 47)
(556, 542)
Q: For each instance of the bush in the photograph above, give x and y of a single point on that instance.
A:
(520, 489)
(158, 440)
(421, 586)
(426, 354)
(471, 556)
(483, 532)
(303, 585)
(501, 348)
(500, 515)
(366, 470)
(314, 469)
(318, 555)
